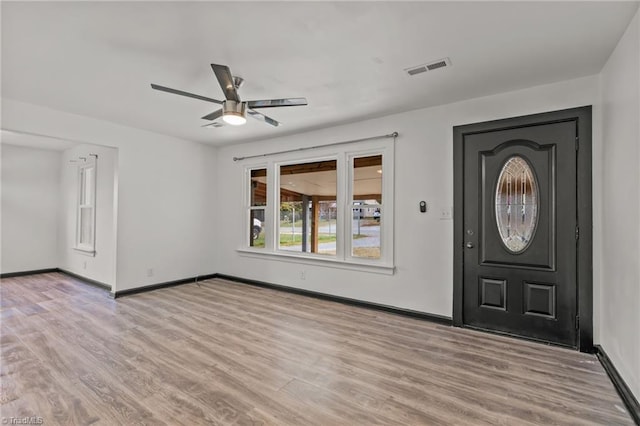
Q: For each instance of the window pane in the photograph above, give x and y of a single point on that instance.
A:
(258, 187)
(308, 207)
(86, 225)
(367, 179)
(367, 202)
(516, 204)
(256, 228)
(83, 186)
(86, 185)
(365, 240)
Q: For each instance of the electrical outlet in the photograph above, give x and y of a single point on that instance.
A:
(150, 272)
(446, 213)
(84, 265)
(303, 275)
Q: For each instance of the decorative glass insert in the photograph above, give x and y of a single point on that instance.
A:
(516, 204)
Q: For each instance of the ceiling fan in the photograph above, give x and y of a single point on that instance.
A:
(234, 111)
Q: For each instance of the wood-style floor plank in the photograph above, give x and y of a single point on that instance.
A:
(223, 353)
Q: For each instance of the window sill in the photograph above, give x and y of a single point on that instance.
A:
(316, 260)
(85, 252)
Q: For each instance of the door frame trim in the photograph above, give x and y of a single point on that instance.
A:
(584, 267)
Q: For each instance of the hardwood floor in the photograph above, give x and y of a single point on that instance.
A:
(224, 353)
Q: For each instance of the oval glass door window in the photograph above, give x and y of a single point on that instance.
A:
(516, 204)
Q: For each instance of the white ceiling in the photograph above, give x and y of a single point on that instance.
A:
(347, 58)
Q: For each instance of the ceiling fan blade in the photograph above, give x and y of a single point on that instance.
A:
(223, 74)
(259, 116)
(271, 103)
(215, 124)
(182, 93)
(214, 115)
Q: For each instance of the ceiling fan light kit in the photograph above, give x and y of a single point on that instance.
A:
(234, 111)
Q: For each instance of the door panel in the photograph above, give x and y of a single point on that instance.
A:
(522, 281)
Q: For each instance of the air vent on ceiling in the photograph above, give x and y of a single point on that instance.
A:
(419, 69)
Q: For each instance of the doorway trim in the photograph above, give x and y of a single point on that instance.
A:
(584, 268)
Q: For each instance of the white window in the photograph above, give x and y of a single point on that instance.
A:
(86, 212)
(335, 206)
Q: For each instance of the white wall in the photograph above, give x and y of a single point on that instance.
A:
(30, 186)
(620, 289)
(424, 171)
(166, 193)
(100, 267)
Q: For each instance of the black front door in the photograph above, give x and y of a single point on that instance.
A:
(519, 228)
